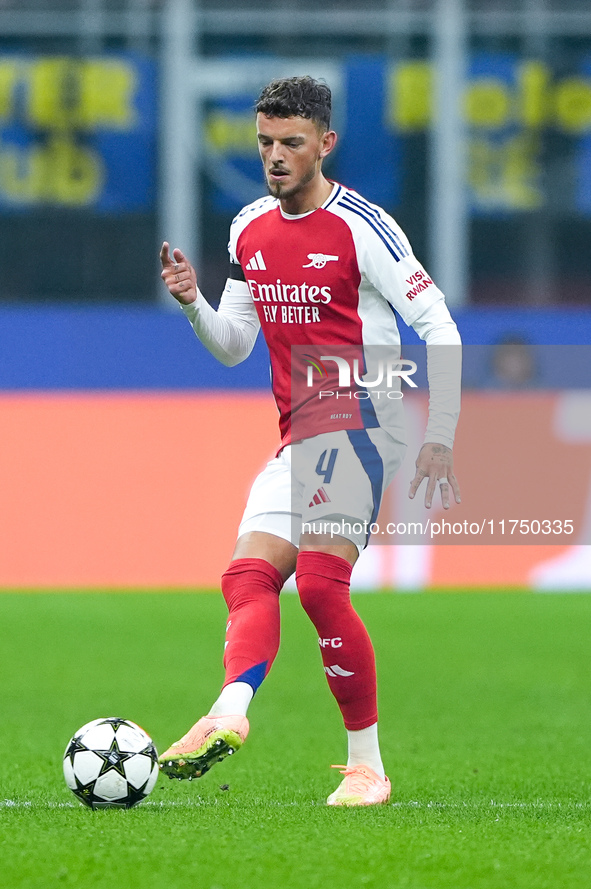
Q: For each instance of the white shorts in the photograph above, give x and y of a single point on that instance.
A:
(329, 485)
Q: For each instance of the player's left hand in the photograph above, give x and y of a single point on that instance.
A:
(435, 463)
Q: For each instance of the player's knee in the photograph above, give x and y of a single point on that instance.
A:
(307, 586)
(248, 580)
(322, 581)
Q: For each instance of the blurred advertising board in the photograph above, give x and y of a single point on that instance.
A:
(77, 132)
(110, 505)
(81, 131)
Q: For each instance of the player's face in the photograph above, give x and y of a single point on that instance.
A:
(291, 150)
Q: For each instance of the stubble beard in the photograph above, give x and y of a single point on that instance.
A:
(277, 190)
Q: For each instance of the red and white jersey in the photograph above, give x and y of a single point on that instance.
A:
(331, 277)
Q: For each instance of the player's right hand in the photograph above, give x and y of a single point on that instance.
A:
(435, 463)
(178, 274)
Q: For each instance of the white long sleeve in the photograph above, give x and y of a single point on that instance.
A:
(230, 333)
(444, 371)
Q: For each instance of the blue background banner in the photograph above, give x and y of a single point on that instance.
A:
(78, 132)
(510, 102)
(102, 348)
(369, 157)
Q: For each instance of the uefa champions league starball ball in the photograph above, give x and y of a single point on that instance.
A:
(111, 763)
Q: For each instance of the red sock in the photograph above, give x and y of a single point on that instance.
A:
(251, 589)
(347, 653)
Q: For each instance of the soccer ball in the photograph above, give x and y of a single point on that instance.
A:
(111, 763)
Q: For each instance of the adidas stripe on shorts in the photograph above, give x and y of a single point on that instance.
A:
(331, 484)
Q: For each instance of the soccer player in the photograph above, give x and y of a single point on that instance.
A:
(316, 266)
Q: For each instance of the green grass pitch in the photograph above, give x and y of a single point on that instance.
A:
(485, 728)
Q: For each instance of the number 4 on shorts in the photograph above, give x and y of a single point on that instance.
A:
(327, 471)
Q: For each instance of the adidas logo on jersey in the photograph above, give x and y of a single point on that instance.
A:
(257, 263)
(319, 497)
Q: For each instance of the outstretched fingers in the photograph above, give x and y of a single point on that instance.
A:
(178, 274)
(165, 257)
(435, 463)
(179, 256)
(455, 487)
(415, 484)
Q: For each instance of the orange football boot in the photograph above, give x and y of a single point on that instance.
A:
(209, 741)
(361, 786)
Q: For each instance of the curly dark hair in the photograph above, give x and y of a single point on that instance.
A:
(297, 97)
